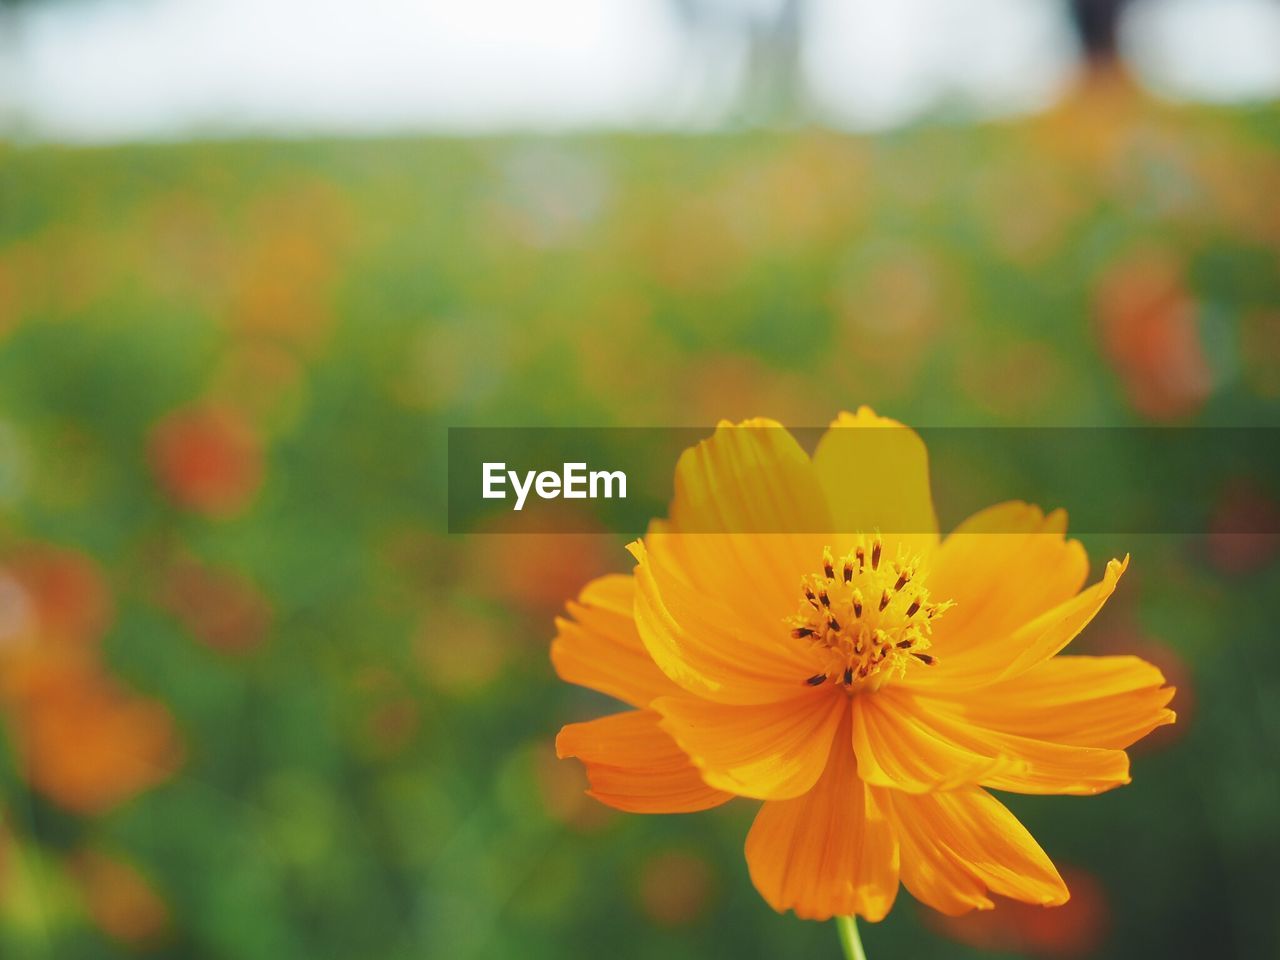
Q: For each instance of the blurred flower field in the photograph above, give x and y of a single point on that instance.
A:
(257, 703)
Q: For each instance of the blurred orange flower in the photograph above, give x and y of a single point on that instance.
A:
(10, 305)
(83, 741)
(207, 459)
(282, 288)
(1260, 351)
(119, 899)
(460, 652)
(263, 381)
(796, 632)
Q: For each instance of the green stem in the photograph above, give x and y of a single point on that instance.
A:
(847, 927)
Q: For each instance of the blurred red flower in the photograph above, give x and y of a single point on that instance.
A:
(546, 554)
(1242, 537)
(118, 898)
(207, 459)
(675, 887)
(391, 714)
(1149, 332)
(222, 608)
(1075, 929)
(53, 595)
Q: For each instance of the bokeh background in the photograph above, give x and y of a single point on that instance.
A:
(255, 259)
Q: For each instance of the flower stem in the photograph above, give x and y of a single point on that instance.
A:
(847, 927)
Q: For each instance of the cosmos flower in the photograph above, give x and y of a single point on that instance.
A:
(870, 683)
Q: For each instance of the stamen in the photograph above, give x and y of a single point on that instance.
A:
(860, 641)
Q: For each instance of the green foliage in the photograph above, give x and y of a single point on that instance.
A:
(371, 773)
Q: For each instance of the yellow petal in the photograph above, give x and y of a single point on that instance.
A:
(997, 658)
(898, 748)
(1002, 567)
(958, 845)
(702, 644)
(828, 853)
(613, 593)
(750, 477)
(917, 744)
(766, 751)
(875, 474)
(747, 520)
(634, 766)
(757, 575)
(1107, 702)
(598, 647)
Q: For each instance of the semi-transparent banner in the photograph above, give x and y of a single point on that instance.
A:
(1110, 480)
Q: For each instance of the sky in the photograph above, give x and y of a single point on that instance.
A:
(120, 70)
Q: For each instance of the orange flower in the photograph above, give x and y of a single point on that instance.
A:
(84, 742)
(51, 596)
(868, 683)
(119, 900)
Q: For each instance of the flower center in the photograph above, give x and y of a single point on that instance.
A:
(868, 616)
